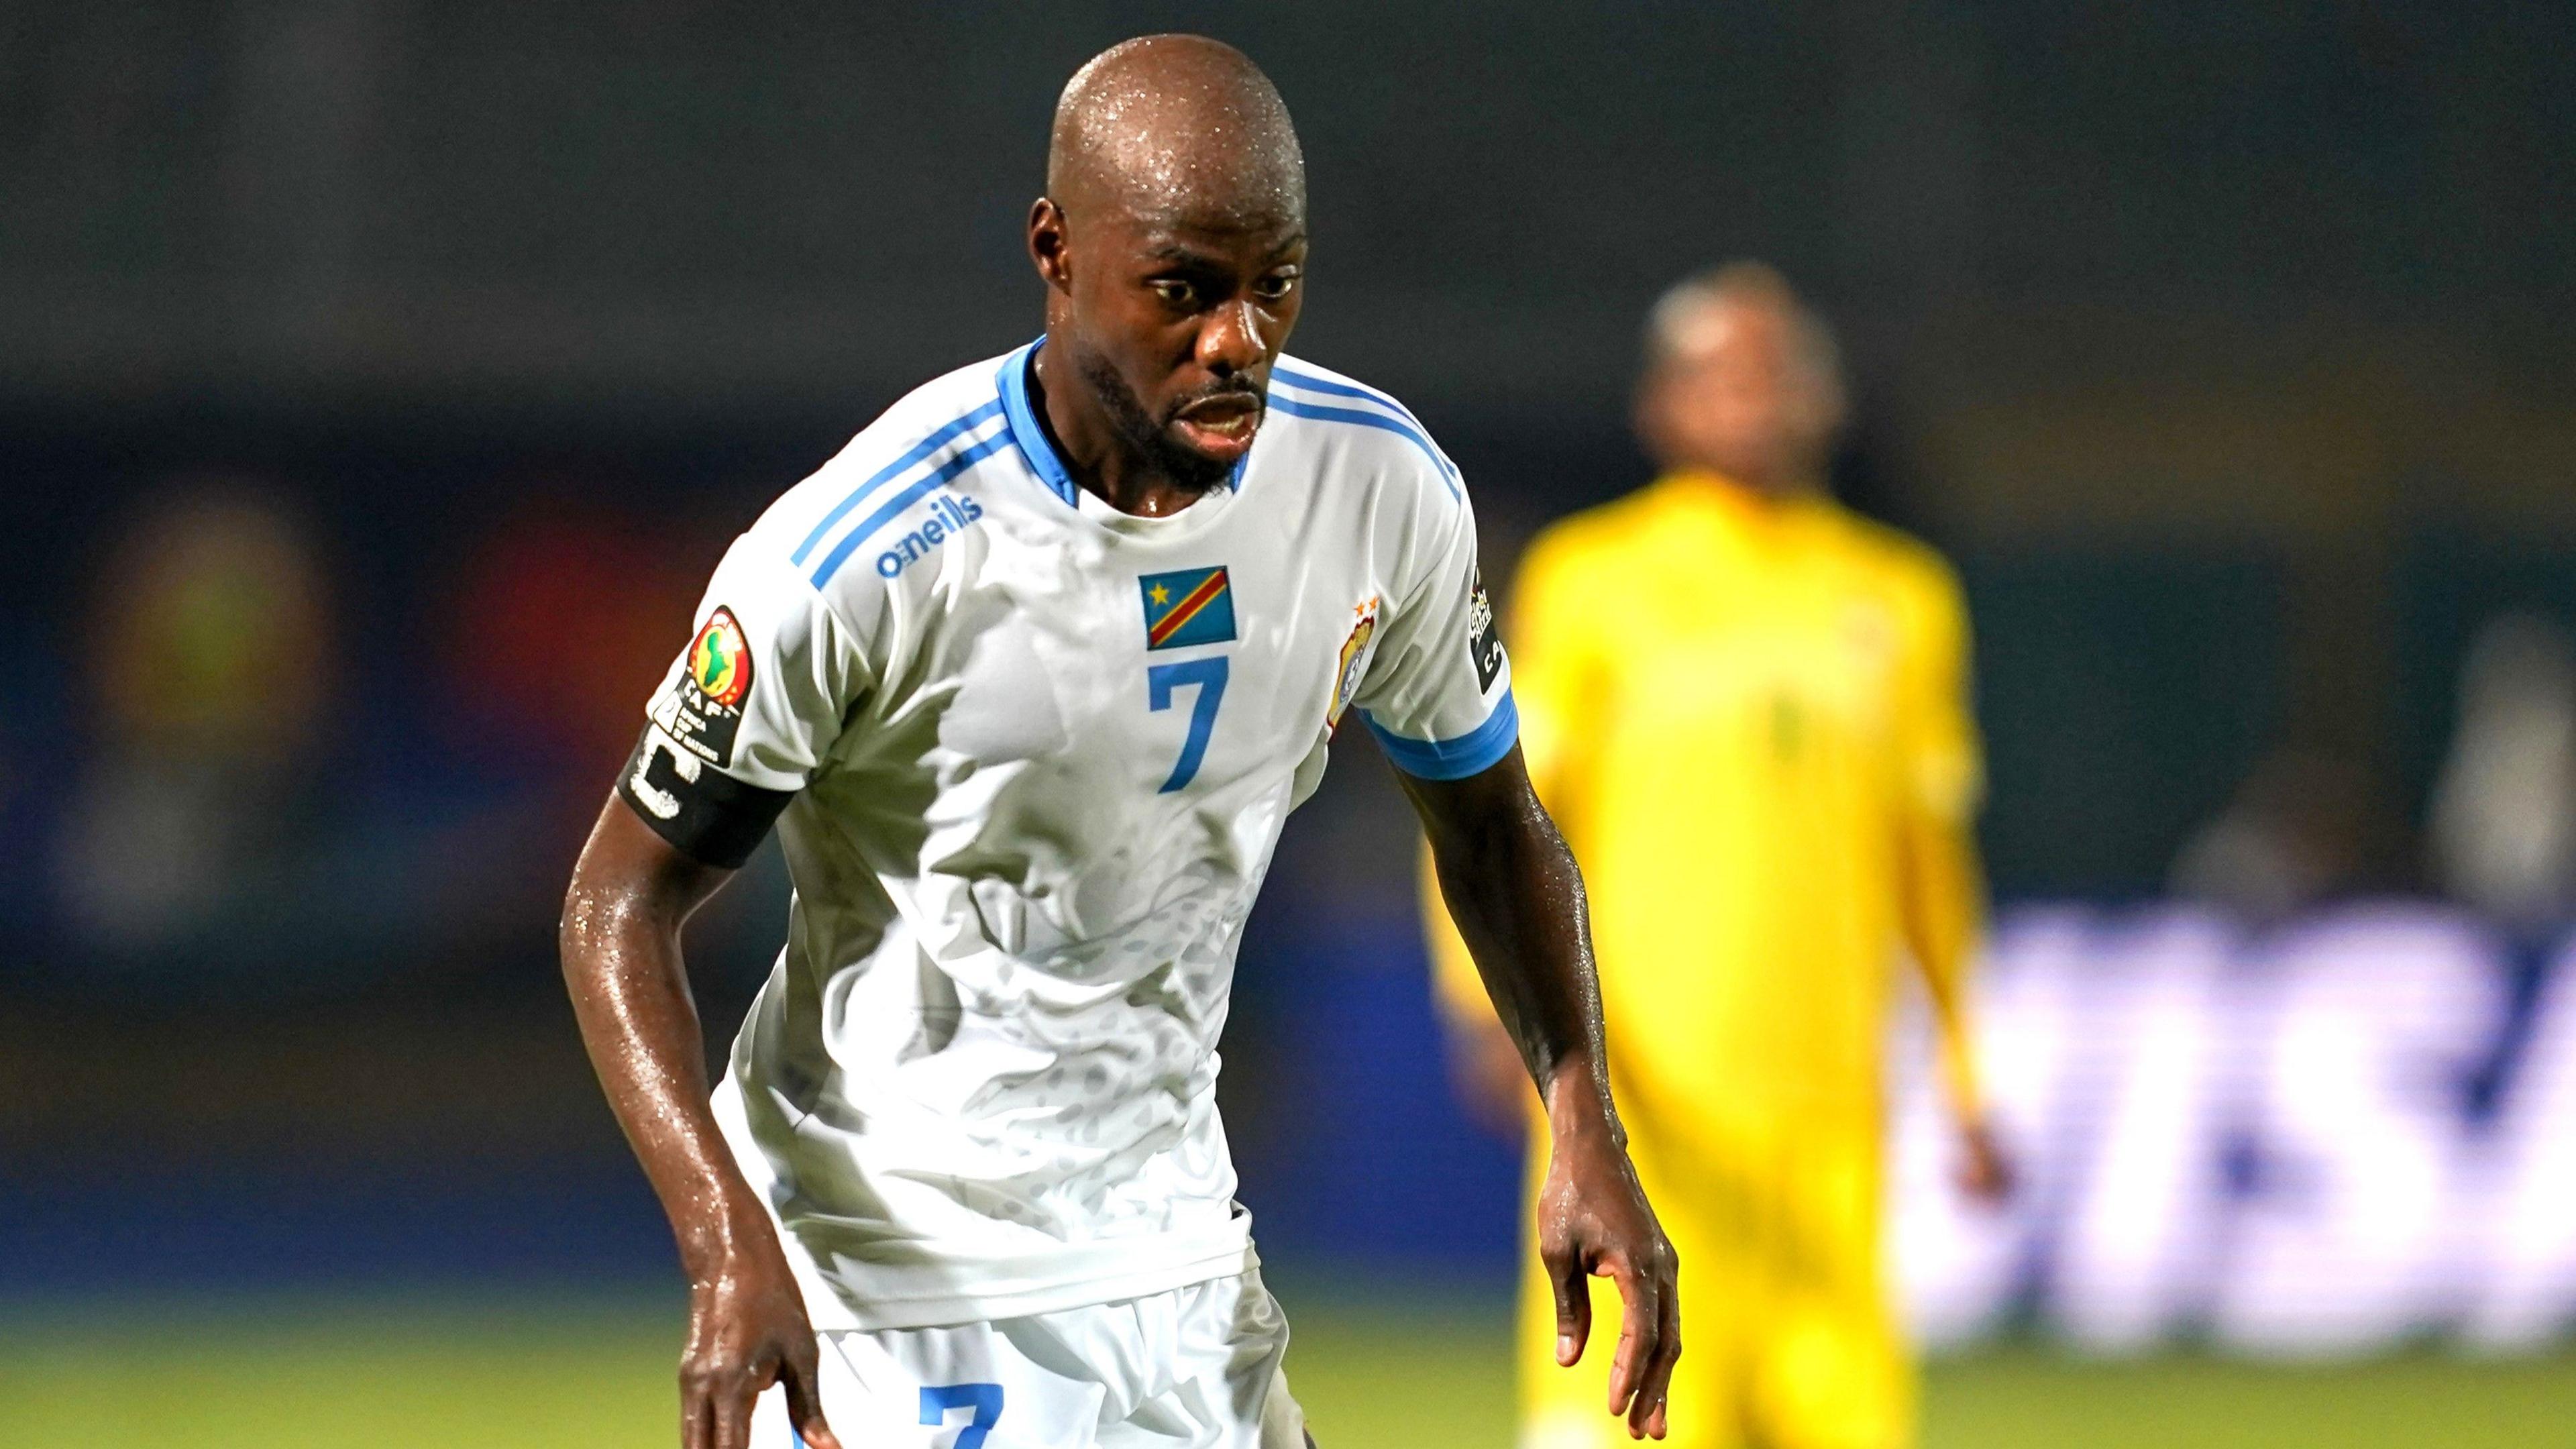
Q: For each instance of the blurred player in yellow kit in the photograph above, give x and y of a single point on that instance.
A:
(1747, 709)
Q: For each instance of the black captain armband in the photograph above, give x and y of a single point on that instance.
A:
(705, 814)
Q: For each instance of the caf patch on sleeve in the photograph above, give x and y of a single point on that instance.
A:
(705, 711)
(1484, 641)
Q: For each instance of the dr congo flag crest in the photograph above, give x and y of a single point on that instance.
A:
(1187, 606)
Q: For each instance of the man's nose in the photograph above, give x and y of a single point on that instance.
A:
(1231, 341)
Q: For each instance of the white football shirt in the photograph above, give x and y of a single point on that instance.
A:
(1042, 751)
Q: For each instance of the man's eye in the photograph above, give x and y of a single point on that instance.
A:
(1177, 294)
(1272, 289)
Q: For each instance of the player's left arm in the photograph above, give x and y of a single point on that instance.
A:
(1558, 674)
(1437, 694)
(1940, 890)
(1516, 896)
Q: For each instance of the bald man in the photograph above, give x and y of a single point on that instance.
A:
(1028, 679)
(1749, 707)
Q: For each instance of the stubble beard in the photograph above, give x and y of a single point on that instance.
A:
(1185, 468)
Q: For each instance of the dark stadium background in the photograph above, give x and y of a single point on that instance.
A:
(2225, 347)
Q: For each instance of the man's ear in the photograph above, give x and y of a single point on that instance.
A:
(1050, 248)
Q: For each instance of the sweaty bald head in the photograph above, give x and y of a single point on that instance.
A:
(1172, 240)
(1176, 127)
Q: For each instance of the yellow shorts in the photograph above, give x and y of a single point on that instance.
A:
(1788, 1338)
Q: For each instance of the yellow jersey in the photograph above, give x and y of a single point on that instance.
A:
(1750, 718)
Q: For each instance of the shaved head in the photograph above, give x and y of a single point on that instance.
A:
(1174, 127)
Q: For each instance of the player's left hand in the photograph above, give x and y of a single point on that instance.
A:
(1593, 1221)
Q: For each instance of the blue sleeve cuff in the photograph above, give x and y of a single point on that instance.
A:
(1472, 753)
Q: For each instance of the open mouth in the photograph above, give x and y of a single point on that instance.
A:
(1222, 426)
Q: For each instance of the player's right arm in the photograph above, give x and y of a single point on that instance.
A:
(631, 893)
(742, 721)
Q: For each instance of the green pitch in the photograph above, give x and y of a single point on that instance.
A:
(545, 1376)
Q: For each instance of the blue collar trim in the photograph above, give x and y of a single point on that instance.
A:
(1031, 439)
(1026, 433)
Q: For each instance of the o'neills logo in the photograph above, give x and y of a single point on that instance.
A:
(950, 514)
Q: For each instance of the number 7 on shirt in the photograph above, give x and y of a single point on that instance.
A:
(1209, 676)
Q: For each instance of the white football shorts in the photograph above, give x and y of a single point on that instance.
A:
(1198, 1367)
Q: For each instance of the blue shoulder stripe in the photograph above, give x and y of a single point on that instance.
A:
(1305, 381)
(947, 433)
(936, 477)
(1472, 753)
(1300, 408)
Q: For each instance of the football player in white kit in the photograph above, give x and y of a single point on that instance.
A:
(1028, 678)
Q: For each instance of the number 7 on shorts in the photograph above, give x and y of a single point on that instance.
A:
(984, 1399)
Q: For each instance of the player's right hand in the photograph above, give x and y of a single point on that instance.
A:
(748, 1330)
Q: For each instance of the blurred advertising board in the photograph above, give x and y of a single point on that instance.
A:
(2334, 1136)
